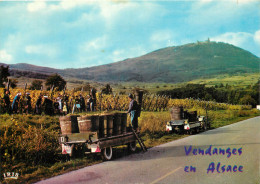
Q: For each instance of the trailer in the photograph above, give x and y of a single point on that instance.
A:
(96, 134)
(186, 122)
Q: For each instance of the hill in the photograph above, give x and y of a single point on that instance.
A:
(170, 65)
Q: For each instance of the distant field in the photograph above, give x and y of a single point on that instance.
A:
(242, 80)
(239, 81)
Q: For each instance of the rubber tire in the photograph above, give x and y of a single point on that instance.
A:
(132, 146)
(190, 132)
(197, 130)
(107, 153)
(209, 125)
(205, 126)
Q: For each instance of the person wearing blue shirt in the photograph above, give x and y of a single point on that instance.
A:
(15, 103)
(133, 110)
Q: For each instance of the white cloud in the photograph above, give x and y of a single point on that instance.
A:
(46, 50)
(5, 57)
(95, 44)
(257, 37)
(247, 41)
(39, 5)
(36, 6)
(163, 35)
(66, 4)
(204, 2)
(130, 27)
(162, 38)
(89, 19)
(205, 13)
(238, 39)
(118, 55)
(246, 1)
(129, 12)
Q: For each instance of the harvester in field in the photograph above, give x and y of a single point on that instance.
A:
(186, 122)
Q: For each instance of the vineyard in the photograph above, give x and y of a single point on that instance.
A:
(29, 143)
(151, 102)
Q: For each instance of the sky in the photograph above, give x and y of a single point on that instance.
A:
(76, 34)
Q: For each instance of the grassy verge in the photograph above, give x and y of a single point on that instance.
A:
(29, 143)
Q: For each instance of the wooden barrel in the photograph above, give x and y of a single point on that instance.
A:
(102, 129)
(192, 116)
(185, 115)
(176, 113)
(85, 124)
(123, 122)
(95, 123)
(105, 126)
(69, 124)
(117, 124)
(109, 122)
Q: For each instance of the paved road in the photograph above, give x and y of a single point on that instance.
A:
(166, 163)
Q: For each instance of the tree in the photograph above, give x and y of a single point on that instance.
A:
(36, 85)
(55, 81)
(4, 73)
(247, 100)
(13, 83)
(221, 85)
(107, 90)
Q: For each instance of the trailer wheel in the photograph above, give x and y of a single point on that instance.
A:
(205, 125)
(107, 153)
(209, 127)
(197, 130)
(190, 132)
(132, 146)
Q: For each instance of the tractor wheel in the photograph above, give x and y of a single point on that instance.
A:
(132, 146)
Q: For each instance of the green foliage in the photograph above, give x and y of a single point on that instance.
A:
(257, 85)
(247, 100)
(28, 141)
(85, 87)
(36, 85)
(107, 89)
(4, 73)
(56, 81)
(13, 83)
(200, 91)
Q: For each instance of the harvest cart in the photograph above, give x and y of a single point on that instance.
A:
(95, 134)
(186, 122)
